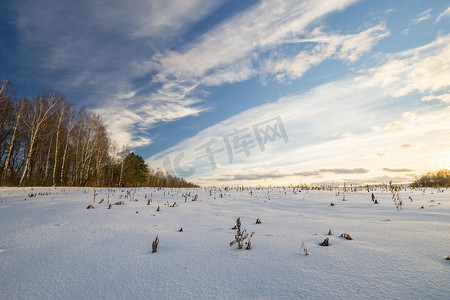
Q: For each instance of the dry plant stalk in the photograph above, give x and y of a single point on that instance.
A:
(325, 242)
(249, 244)
(240, 237)
(304, 249)
(237, 226)
(155, 245)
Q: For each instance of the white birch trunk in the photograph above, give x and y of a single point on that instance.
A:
(13, 138)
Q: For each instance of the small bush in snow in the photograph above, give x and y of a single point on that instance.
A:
(240, 237)
(258, 221)
(240, 240)
(90, 206)
(329, 232)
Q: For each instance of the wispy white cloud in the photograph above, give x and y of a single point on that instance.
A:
(423, 16)
(444, 14)
(345, 171)
(401, 170)
(423, 69)
(307, 173)
(395, 127)
(122, 122)
(233, 51)
(407, 146)
(164, 19)
(354, 46)
(264, 175)
(130, 125)
(327, 46)
(444, 97)
(228, 53)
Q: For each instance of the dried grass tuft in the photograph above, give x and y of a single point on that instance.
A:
(155, 245)
(304, 249)
(346, 236)
(325, 242)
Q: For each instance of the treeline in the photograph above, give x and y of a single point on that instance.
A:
(45, 141)
(439, 178)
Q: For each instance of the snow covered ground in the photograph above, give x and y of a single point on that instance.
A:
(52, 247)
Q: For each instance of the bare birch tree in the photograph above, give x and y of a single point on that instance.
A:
(70, 126)
(61, 113)
(41, 109)
(19, 109)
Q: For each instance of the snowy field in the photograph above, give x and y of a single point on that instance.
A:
(52, 247)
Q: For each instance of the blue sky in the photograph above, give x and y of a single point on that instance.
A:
(249, 92)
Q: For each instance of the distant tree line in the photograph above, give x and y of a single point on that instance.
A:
(439, 178)
(45, 141)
